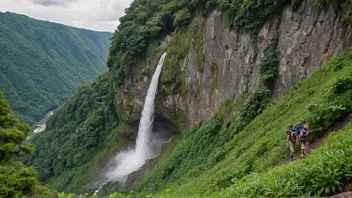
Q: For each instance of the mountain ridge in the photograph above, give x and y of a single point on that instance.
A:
(43, 63)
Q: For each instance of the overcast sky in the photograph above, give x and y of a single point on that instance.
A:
(101, 15)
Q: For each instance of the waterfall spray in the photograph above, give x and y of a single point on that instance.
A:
(133, 159)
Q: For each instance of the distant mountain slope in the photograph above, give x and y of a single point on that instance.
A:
(42, 63)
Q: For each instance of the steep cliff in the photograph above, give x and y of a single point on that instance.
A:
(222, 65)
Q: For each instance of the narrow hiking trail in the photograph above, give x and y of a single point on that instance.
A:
(337, 126)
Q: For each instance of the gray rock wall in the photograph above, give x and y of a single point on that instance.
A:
(307, 38)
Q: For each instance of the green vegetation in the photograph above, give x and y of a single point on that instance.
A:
(149, 20)
(189, 154)
(198, 165)
(269, 66)
(321, 3)
(79, 136)
(16, 180)
(249, 14)
(223, 151)
(325, 172)
(43, 63)
(295, 4)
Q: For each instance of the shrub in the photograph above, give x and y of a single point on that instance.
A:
(295, 4)
(269, 65)
(252, 107)
(347, 20)
(182, 18)
(321, 3)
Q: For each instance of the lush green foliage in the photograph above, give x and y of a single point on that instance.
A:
(12, 134)
(269, 65)
(321, 99)
(43, 63)
(148, 20)
(323, 173)
(253, 106)
(295, 4)
(321, 3)
(191, 153)
(347, 20)
(16, 180)
(259, 98)
(249, 14)
(144, 22)
(79, 135)
(182, 17)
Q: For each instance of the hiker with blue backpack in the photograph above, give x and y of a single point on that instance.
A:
(291, 140)
(298, 127)
(304, 138)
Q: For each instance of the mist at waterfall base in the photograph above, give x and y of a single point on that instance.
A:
(148, 146)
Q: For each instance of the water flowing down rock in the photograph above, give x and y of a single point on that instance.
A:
(133, 159)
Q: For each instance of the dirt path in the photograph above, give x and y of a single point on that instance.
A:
(337, 126)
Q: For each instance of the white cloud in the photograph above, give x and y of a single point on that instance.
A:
(101, 15)
(52, 2)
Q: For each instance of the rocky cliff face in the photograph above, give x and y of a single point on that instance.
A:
(307, 38)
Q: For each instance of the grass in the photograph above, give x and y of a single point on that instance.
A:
(325, 172)
(261, 144)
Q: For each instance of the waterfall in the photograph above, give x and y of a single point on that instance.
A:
(133, 159)
(146, 123)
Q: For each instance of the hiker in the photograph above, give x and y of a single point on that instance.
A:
(304, 140)
(291, 140)
(298, 127)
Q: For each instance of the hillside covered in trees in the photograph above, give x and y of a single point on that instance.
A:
(42, 63)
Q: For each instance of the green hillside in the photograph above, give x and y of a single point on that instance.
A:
(202, 162)
(82, 133)
(42, 63)
(205, 160)
(202, 165)
(80, 136)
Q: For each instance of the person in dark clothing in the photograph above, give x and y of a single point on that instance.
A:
(291, 140)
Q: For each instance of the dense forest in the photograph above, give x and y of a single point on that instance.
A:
(82, 132)
(42, 63)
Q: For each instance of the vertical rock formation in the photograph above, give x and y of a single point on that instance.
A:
(307, 38)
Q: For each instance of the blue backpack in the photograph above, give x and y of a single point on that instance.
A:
(298, 128)
(304, 136)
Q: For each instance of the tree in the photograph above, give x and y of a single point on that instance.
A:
(182, 17)
(16, 180)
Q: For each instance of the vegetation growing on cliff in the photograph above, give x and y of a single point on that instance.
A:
(257, 147)
(43, 63)
(147, 21)
(269, 66)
